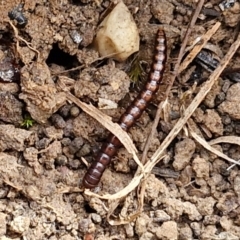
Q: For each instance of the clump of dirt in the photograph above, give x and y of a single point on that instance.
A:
(193, 193)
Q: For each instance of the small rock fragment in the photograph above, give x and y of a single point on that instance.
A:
(146, 236)
(183, 153)
(163, 11)
(141, 224)
(53, 133)
(176, 208)
(160, 216)
(58, 121)
(3, 225)
(236, 185)
(31, 156)
(98, 206)
(226, 223)
(201, 167)
(96, 218)
(20, 224)
(185, 233)
(129, 230)
(231, 15)
(213, 122)
(74, 111)
(117, 36)
(76, 37)
(231, 106)
(205, 205)
(14, 138)
(84, 225)
(61, 160)
(168, 231)
(39, 92)
(10, 108)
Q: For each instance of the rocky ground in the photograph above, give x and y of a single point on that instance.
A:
(46, 139)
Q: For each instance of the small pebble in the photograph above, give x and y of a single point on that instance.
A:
(74, 164)
(226, 120)
(84, 225)
(75, 145)
(96, 218)
(42, 143)
(129, 230)
(228, 129)
(237, 128)
(85, 150)
(220, 98)
(66, 142)
(20, 224)
(61, 160)
(58, 121)
(74, 111)
(3, 192)
(76, 37)
(68, 130)
(64, 111)
(225, 147)
(226, 86)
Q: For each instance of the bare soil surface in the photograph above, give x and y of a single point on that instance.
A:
(191, 194)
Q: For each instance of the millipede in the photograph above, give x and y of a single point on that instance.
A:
(133, 112)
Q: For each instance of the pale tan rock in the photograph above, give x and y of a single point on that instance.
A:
(183, 153)
(20, 224)
(168, 231)
(231, 106)
(117, 36)
(201, 167)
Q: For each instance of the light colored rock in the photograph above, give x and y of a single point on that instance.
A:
(168, 231)
(201, 167)
(117, 36)
(183, 153)
(231, 106)
(20, 224)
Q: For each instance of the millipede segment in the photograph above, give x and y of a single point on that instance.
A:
(133, 112)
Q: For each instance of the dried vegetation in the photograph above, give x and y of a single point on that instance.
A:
(177, 176)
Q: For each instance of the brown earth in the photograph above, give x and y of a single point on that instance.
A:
(192, 193)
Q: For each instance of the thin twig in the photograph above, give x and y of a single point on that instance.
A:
(23, 40)
(176, 129)
(232, 166)
(172, 79)
(211, 149)
(151, 134)
(106, 122)
(68, 70)
(84, 65)
(183, 47)
(198, 48)
(186, 37)
(197, 100)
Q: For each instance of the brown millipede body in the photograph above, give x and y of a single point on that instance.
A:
(133, 112)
